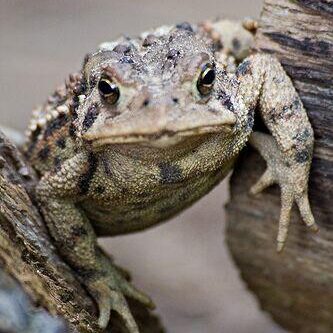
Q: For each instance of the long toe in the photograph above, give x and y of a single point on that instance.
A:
(280, 246)
(264, 181)
(306, 213)
(286, 206)
(138, 295)
(119, 305)
(104, 307)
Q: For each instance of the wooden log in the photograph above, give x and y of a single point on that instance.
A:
(295, 287)
(28, 255)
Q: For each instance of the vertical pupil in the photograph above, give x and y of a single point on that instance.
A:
(105, 87)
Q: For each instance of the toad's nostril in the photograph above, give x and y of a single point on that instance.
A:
(175, 100)
(146, 102)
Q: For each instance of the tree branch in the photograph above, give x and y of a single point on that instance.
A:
(28, 255)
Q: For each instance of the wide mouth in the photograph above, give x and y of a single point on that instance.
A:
(160, 139)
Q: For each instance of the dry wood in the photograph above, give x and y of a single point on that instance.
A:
(27, 253)
(296, 287)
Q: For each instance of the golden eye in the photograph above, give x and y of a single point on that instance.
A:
(206, 79)
(108, 90)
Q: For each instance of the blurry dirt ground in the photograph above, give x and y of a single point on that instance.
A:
(184, 264)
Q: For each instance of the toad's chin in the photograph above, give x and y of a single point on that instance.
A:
(162, 139)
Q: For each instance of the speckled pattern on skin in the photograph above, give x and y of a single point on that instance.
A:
(149, 126)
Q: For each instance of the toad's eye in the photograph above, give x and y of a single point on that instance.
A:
(206, 79)
(108, 90)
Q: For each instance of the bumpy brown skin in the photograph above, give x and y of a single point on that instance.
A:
(111, 168)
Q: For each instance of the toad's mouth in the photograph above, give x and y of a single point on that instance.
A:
(161, 139)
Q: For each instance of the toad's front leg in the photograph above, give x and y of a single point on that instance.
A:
(76, 240)
(288, 152)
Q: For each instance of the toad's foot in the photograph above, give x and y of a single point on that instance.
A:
(109, 291)
(292, 179)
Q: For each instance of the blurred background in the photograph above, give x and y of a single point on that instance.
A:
(184, 264)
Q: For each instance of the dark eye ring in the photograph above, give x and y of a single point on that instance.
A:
(206, 79)
(108, 90)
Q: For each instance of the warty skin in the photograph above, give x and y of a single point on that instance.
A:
(148, 127)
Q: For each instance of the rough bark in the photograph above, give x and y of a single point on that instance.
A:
(296, 287)
(27, 254)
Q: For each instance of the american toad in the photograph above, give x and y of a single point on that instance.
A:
(149, 126)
